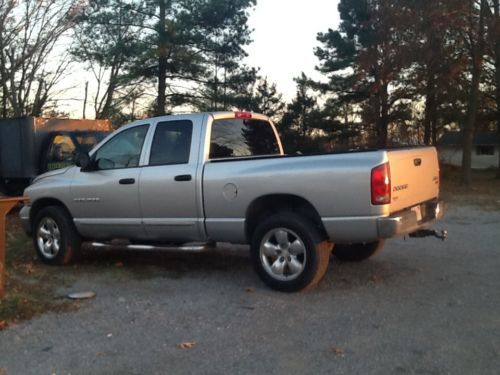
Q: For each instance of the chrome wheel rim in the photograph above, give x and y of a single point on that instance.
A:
(48, 238)
(283, 254)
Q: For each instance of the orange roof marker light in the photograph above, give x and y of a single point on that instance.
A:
(243, 115)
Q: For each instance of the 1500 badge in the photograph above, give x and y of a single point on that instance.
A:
(400, 187)
(80, 200)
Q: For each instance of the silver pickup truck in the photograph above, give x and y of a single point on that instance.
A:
(223, 176)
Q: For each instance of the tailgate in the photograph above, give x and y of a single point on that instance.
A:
(414, 176)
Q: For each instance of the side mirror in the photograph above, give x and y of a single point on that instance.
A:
(82, 160)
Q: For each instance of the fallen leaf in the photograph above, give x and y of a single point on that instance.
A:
(249, 290)
(29, 268)
(338, 351)
(187, 345)
(3, 325)
(119, 264)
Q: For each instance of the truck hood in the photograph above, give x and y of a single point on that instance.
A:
(51, 173)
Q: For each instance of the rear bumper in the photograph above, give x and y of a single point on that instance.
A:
(409, 220)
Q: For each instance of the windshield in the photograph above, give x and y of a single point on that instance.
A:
(87, 140)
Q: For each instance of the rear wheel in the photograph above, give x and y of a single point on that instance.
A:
(288, 253)
(55, 237)
(357, 252)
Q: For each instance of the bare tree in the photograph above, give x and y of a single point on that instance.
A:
(29, 31)
(494, 36)
(476, 40)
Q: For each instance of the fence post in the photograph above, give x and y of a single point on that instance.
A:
(6, 204)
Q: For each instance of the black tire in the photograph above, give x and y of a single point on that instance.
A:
(299, 265)
(357, 252)
(55, 237)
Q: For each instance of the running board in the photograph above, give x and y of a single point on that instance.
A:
(195, 247)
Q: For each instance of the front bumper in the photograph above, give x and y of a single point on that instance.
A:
(24, 215)
(410, 220)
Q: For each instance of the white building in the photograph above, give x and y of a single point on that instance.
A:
(485, 150)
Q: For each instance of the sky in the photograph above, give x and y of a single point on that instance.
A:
(285, 36)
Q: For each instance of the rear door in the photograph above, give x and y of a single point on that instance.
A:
(167, 185)
(414, 176)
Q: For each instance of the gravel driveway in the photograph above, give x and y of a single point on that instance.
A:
(420, 307)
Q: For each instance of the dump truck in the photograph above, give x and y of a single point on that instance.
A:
(30, 146)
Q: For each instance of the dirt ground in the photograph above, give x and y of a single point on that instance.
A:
(421, 306)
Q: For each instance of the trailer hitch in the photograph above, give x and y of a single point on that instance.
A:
(442, 235)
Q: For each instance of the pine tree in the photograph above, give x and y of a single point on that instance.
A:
(362, 62)
(106, 40)
(191, 48)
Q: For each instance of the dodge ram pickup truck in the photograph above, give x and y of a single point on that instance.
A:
(224, 177)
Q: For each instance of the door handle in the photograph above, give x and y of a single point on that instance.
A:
(127, 181)
(183, 177)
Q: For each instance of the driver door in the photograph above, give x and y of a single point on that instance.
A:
(105, 199)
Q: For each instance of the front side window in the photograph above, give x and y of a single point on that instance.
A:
(242, 137)
(123, 150)
(171, 143)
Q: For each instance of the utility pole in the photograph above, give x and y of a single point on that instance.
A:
(85, 98)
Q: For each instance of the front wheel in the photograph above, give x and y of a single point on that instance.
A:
(288, 253)
(357, 252)
(55, 237)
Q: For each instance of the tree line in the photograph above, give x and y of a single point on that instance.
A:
(393, 72)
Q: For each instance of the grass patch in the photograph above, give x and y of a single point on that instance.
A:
(484, 190)
(30, 286)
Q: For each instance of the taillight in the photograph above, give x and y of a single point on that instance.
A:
(243, 115)
(381, 184)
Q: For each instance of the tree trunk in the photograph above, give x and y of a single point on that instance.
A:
(496, 4)
(105, 112)
(85, 99)
(430, 103)
(434, 120)
(4, 103)
(162, 60)
(470, 122)
(383, 121)
(38, 102)
(430, 134)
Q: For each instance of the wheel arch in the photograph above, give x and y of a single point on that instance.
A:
(273, 203)
(41, 203)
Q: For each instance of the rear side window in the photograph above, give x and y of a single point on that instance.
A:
(242, 137)
(171, 143)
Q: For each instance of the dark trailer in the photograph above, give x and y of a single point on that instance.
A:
(30, 146)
